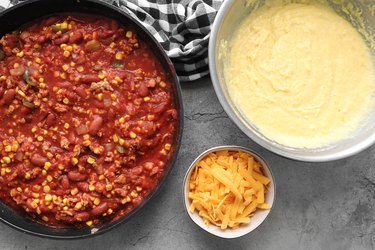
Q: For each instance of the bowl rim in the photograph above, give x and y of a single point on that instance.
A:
(276, 148)
(187, 176)
(168, 66)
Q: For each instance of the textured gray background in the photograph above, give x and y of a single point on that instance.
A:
(318, 206)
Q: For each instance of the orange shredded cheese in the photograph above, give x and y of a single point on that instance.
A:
(227, 187)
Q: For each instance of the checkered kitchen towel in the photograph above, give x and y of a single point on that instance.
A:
(181, 26)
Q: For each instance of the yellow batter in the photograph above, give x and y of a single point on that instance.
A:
(301, 74)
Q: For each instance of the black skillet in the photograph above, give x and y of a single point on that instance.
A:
(23, 13)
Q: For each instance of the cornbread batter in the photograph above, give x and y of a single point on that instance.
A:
(301, 74)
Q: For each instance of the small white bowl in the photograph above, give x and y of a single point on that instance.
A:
(259, 216)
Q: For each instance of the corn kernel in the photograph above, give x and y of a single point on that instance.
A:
(112, 45)
(118, 56)
(99, 96)
(65, 67)
(114, 97)
(8, 148)
(47, 165)
(44, 172)
(167, 146)
(2, 172)
(16, 65)
(162, 84)
(63, 75)
(110, 211)
(3, 78)
(8, 170)
(101, 76)
(65, 201)
(80, 69)
(91, 160)
(121, 141)
(27, 175)
(66, 125)
(20, 54)
(60, 167)
(96, 201)
(124, 201)
(108, 187)
(49, 178)
(49, 155)
(86, 143)
(45, 218)
(147, 99)
(40, 138)
(101, 177)
(114, 82)
(66, 53)
(63, 45)
(133, 135)
(38, 60)
(121, 120)
(129, 34)
(115, 138)
(118, 79)
(14, 147)
(19, 189)
(66, 100)
(163, 152)
(134, 194)
(78, 206)
(69, 48)
(74, 191)
(65, 208)
(48, 197)
(42, 85)
(46, 189)
(21, 93)
(89, 223)
(74, 161)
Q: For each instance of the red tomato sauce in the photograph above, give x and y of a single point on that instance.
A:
(87, 120)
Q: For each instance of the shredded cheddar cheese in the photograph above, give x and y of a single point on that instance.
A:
(227, 187)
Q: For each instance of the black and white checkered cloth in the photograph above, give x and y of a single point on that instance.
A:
(181, 26)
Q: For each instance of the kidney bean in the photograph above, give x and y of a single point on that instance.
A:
(83, 186)
(38, 160)
(142, 89)
(41, 39)
(96, 124)
(76, 176)
(100, 209)
(89, 78)
(137, 170)
(82, 216)
(65, 182)
(64, 84)
(63, 39)
(50, 120)
(8, 97)
(148, 165)
(76, 37)
(49, 21)
(81, 91)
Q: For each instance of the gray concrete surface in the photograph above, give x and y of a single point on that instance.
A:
(318, 206)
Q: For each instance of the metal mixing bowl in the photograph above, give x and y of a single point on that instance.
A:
(231, 13)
